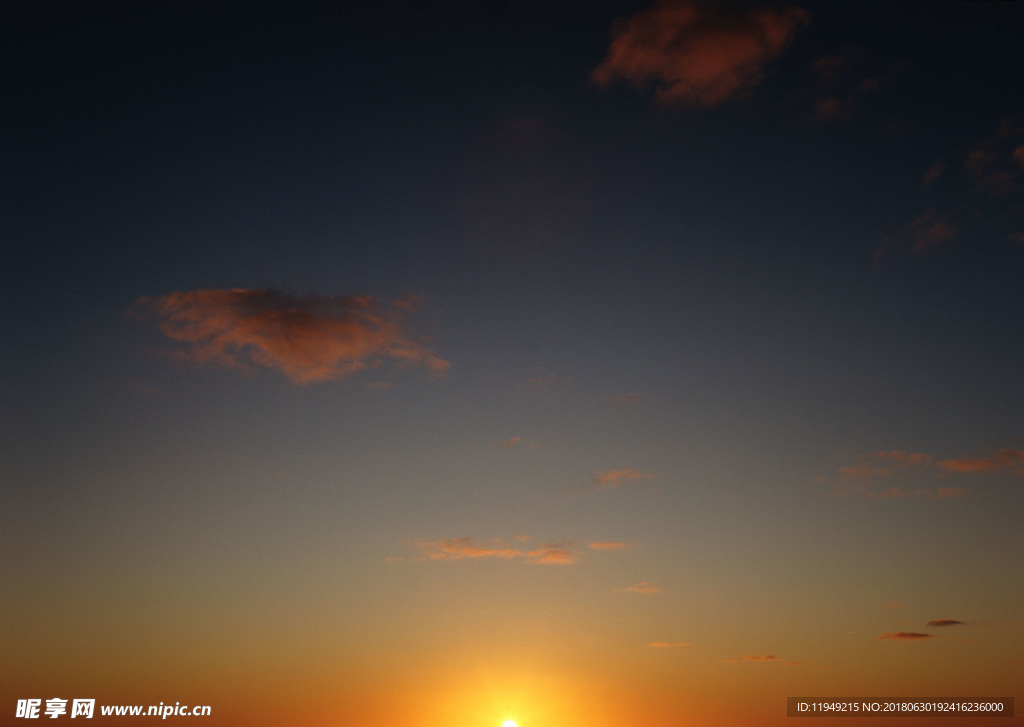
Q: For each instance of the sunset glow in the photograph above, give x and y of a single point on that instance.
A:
(519, 363)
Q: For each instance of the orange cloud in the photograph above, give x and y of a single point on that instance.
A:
(1004, 459)
(945, 622)
(609, 546)
(507, 443)
(553, 555)
(666, 644)
(307, 338)
(883, 464)
(643, 588)
(860, 478)
(767, 657)
(462, 548)
(614, 478)
(906, 636)
(466, 548)
(697, 54)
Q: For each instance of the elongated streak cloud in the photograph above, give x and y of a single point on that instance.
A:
(905, 636)
(307, 338)
(466, 548)
(666, 644)
(643, 587)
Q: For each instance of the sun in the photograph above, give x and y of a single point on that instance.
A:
(508, 723)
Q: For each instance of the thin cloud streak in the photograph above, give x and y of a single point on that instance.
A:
(666, 644)
(905, 636)
(863, 476)
(613, 545)
(1004, 459)
(697, 54)
(507, 443)
(944, 622)
(466, 549)
(307, 338)
(643, 588)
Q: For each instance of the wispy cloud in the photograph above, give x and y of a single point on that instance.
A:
(666, 644)
(695, 53)
(1004, 459)
(930, 230)
(507, 443)
(944, 622)
(546, 382)
(379, 385)
(865, 475)
(612, 545)
(983, 185)
(766, 657)
(883, 464)
(468, 548)
(644, 588)
(553, 555)
(625, 399)
(933, 173)
(994, 166)
(905, 636)
(307, 338)
(891, 493)
(616, 478)
(462, 548)
(845, 80)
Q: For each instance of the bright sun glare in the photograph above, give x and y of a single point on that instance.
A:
(508, 723)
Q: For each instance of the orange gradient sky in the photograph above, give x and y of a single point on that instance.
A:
(621, 364)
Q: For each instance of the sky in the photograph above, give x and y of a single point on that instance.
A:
(427, 364)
